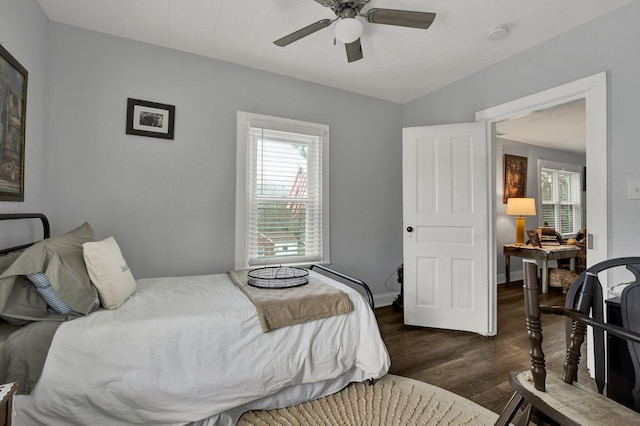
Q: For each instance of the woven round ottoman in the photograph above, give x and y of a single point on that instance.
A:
(561, 278)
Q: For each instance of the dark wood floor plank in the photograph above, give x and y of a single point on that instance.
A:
(470, 365)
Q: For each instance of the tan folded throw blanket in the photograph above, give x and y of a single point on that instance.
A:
(281, 307)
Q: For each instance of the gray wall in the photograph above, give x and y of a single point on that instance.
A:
(604, 44)
(171, 204)
(23, 32)
(506, 225)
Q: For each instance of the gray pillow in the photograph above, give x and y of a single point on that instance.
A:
(60, 258)
(21, 303)
(18, 297)
(7, 259)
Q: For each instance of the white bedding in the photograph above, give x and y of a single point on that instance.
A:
(166, 357)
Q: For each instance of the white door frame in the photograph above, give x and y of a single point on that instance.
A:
(594, 90)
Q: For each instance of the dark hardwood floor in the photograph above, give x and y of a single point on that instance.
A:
(470, 365)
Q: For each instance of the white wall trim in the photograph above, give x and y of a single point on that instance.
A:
(385, 299)
(559, 95)
(514, 276)
(594, 90)
(244, 121)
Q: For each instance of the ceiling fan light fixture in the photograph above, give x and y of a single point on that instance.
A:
(348, 30)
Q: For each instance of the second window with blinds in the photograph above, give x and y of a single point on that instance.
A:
(282, 182)
(560, 197)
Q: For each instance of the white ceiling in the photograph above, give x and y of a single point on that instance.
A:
(562, 127)
(400, 64)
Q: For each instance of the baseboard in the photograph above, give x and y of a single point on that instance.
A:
(515, 276)
(386, 299)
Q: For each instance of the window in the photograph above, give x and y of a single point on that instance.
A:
(560, 197)
(282, 183)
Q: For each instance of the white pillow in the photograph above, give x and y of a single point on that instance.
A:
(109, 272)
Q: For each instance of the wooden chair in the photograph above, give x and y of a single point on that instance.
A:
(557, 399)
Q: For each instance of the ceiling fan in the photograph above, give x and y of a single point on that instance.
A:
(348, 29)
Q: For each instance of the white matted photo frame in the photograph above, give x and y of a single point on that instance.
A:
(13, 110)
(153, 119)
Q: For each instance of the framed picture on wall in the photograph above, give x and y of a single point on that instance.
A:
(515, 177)
(13, 108)
(151, 119)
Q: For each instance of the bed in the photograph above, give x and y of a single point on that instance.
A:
(177, 350)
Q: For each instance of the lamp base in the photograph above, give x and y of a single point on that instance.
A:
(520, 230)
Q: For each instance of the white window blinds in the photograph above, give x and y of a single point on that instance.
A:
(560, 195)
(285, 210)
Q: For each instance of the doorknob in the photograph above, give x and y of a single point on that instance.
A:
(409, 229)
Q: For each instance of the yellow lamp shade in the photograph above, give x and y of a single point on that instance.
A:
(521, 207)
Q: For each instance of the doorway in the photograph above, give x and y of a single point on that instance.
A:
(593, 90)
(553, 137)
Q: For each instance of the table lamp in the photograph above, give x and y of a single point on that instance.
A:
(521, 207)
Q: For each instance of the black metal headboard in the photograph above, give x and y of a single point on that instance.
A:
(12, 216)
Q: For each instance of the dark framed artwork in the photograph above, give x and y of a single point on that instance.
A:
(151, 119)
(515, 177)
(13, 108)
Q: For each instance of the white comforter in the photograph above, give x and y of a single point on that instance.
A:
(185, 349)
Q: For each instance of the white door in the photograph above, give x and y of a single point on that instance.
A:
(446, 202)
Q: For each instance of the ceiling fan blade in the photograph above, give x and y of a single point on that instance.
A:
(326, 3)
(403, 18)
(354, 51)
(303, 32)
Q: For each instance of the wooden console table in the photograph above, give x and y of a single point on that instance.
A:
(544, 253)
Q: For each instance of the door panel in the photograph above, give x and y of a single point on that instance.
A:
(445, 215)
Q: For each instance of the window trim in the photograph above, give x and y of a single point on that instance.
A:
(548, 164)
(244, 121)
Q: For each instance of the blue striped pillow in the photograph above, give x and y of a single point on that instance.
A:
(42, 284)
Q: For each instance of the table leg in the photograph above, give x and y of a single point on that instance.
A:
(545, 277)
(572, 264)
(507, 269)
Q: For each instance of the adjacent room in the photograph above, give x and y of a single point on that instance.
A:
(218, 212)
